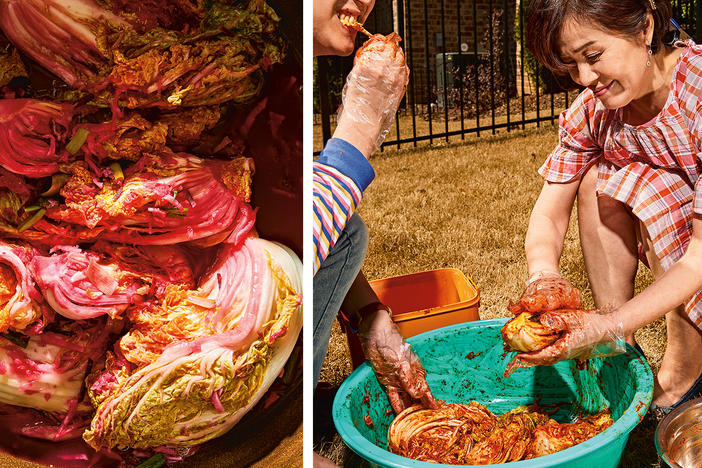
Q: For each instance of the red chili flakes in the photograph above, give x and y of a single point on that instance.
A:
(472, 355)
(367, 419)
(366, 401)
(389, 411)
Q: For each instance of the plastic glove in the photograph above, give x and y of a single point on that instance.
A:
(372, 93)
(546, 291)
(396, 366)
(585, 334)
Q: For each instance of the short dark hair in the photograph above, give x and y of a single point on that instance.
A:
(622, 17)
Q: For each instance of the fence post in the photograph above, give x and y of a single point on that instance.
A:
(428, 69)
(409, 53)
(323, 71)
(401, 20)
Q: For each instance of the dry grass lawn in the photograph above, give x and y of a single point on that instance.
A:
(466, 206)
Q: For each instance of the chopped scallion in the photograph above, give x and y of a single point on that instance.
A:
(77, 141)
(176, 213)
(16, 338)
(117, 170)
(31, 221)
(157, 461)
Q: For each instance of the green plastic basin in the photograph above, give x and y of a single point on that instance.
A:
(457, 376)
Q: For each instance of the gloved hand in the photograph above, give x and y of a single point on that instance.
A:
(546, 291)
(372, 93)
(585, 334)
(396, 366)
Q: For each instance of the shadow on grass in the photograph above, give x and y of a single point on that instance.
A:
(326, 441)
(640, 450)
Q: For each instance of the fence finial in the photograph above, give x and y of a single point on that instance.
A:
(653, 4)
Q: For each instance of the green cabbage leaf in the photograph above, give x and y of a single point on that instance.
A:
(199, 389)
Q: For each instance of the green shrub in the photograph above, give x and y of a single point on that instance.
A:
(334, 81)
(490, 82)
(547, 83)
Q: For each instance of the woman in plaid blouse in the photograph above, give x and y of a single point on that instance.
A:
(628, 153)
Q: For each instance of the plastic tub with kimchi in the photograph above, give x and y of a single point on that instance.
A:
(466, 362)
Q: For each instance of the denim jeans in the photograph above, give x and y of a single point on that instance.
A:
(332, 281)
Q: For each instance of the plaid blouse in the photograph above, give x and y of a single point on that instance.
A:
(653, 168)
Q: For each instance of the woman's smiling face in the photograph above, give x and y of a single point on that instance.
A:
(613, 67)
(330, 37)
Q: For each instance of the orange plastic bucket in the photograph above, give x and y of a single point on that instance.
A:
(421, 302)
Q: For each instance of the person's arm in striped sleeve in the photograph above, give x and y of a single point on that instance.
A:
(341, 174)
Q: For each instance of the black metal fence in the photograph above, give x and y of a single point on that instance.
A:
(470, 71)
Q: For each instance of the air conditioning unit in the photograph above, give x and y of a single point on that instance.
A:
(456, 62)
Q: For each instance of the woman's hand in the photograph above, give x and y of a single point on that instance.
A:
(586, 334)
(372, 93)
(546, 291)
(396, 366)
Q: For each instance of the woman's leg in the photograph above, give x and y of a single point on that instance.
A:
(608, 240)
(681, 366)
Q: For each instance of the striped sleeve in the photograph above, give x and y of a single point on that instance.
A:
(341, 174)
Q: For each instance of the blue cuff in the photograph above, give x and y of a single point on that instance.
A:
(348, 160)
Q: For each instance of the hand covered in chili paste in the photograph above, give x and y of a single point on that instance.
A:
(546, 291)
(396, 366)
(584, 334)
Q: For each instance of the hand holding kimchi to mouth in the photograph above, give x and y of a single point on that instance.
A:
(549, 326)
(373, 91)
(139, 309)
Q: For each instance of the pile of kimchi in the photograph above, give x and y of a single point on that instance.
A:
(139, 309)
(459, 434)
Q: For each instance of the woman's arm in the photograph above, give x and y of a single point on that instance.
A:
(548, 225)
(585, 330)
(674, 287)
(339, 177)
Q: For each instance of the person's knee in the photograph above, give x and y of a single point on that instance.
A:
(587, 189)
(607, 209)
